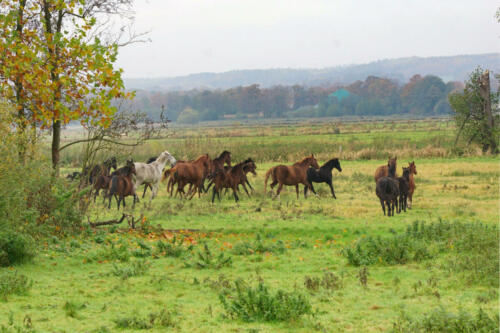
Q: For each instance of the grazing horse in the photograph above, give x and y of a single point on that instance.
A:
(100, 169)
(193, 173)
(388, 170)
(413, 171)
(122, 185)
(233, 177)
(151, 173)
(404, 187)
(323, 175)
(291, 175)
(387, 191)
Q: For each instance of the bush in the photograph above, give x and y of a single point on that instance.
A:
(440, 320)
(206, 259)
(111, 253)
(15, 248)
(258, 247)
(174, 248)
(136, 268)
(259, 304)
(12, 283)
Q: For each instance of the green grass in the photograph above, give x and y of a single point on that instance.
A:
(120, 279)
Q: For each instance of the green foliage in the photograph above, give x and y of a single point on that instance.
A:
(135, 268)
(470, 249)
(172, 248)
(259, 304)
(119, 252)
(12, 283)
(329, 281)
(15, 248)
(71, 308)
(188, 116)
(440, 320)
(206, 259)
(160, 319)
(258, 246)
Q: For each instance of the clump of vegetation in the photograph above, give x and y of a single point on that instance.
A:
(13, 283)
(136, 268)
(173, 248)
(160, 319)
(440, 320)
(15, 248)
(258, 246)
(206, 259)
(329, 281)
(471, 249)
(260, 304)
(71, 308)
(110, 253)
(143, 251)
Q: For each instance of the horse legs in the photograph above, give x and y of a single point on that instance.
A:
(280, 186)
(145, 189)
(331, 189)
(249, 185)
(235, 189)
(297, 190)
(245, 188)
(383, 206)
(410, 196)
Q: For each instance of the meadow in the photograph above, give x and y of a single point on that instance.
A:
(263, 265)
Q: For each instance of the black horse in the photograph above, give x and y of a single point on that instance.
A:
(388, 192)
(323, 175)
(404, 187)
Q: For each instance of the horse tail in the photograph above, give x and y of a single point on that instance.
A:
(113, 189)
(268, 173)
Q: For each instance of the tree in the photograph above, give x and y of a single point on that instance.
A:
(57, 68)
(473, 114)
(189, 116)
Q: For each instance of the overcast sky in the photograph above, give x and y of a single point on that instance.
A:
(192, 36)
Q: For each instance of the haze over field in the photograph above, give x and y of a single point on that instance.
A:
(217, 36)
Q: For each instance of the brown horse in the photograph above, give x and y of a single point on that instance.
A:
(193, 173)
(291, 175)
(218, 165)
(388, 170)
(122, 185)
(232, 178)
(413, 171)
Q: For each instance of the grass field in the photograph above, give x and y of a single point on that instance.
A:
(111, 279)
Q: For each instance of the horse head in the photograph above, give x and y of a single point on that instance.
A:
(131, 167)
(166, 156)
(312, 162)
(250, 166)
(406, 173)
(111, 163)
(392, 164)
(413, 167)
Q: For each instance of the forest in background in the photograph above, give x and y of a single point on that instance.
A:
(374, 96)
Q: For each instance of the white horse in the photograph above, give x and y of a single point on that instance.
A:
(151, 173)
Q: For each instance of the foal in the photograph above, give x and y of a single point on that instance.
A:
(388, 192)
(388, 170)
(413, 171)
(404, 187)
(122, 184)
(323, 175)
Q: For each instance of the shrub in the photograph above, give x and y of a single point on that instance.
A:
(174, 248)
(329, 281)
(206, 259)
(15, 248)
(111, 253)
(259, 304)
(12, 283)
(258, 247)
(440, 320)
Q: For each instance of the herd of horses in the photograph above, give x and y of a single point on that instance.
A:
(220, 174)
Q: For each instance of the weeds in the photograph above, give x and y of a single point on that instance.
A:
(258, 247)
(71, 308)
(329, 281)
(161, 319)
(12, 283)
(440, 320)
(136, 268)
(259, 304)
(205, 259)
(112, 253)
(174, 248)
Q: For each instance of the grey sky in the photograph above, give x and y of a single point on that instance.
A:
(191, 36)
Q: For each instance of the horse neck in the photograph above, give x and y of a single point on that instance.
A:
(328, 166)
(161, 161)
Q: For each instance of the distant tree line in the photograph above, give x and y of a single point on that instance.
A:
(427, 95)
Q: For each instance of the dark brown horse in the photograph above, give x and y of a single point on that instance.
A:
(387, 191)
(122, 185)
(218, 165)
(232, 178)
(100, 169)
(193, 173)
(291, 175)
(404, 187)
(413, 171)
(388, 170)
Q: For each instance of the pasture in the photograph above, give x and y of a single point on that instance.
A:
(357, 269)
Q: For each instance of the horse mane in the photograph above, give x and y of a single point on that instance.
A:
(248, 160)
(330, 163)
(303, 161)
(221, 156)
(199, 158)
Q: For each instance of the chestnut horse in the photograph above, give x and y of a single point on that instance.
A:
(122, 184)
(232, 178)
(413, 171)
(291, 175)
(388, 170)
(191, 173)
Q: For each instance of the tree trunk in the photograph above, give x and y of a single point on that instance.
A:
(484, 90)
(56, 142)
